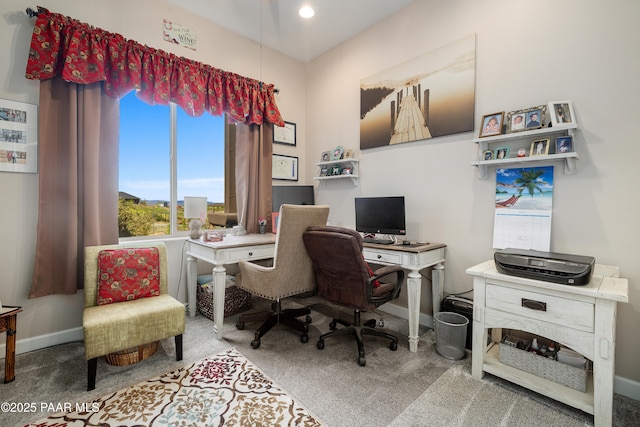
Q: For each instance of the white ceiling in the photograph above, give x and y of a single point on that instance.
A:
(276, 24)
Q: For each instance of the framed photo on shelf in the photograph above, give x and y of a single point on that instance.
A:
(561, 113)
(336, 170)
(491, 124)
(502, 153)
(487, 155)
(564, 144)
(326, 156)
(284, 167)
(348, 154)
(534, 117)
(285, 134)
(539, 147)
(516, 121)
(324, 170)
(337, 153)
(18, 137)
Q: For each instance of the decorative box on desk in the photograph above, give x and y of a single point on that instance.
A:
(236, 300)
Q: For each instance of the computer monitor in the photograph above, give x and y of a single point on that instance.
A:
(380, 215)
(292, 195)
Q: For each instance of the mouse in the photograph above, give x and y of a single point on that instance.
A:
(406, 242)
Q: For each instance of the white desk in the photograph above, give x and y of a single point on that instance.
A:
(413, 258)
(580, 317)
(229, 251)
(262, 246)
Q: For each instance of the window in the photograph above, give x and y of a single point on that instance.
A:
(165, 155)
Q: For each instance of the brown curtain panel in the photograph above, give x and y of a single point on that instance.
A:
(78, 182)
(253, 174)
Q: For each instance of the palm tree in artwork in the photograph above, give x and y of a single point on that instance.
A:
(529, 180)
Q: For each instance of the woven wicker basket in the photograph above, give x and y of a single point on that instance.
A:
(132, 355)
(236, 300)
(567, 375)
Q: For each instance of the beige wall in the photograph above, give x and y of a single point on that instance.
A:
(527, 54)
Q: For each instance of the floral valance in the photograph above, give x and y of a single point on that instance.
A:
(84, 54)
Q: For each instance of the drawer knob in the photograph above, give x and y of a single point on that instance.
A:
(534, 305)
(250, 253)
(379, 256)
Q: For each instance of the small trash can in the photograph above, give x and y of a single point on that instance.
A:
(451, 334)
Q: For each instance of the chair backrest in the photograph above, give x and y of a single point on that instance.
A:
(340, 269)
(91, 268)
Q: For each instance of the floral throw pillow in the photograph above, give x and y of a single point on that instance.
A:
(128, 274)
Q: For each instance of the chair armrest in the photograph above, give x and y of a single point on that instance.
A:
(387, 270)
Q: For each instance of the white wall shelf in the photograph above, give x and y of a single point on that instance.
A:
(518, 140)
(342, 163)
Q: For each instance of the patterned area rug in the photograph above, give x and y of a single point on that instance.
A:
(226, 389)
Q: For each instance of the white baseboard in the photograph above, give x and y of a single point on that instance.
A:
(43, 341)
(621, 385)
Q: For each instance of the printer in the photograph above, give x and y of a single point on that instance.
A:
(546, 266)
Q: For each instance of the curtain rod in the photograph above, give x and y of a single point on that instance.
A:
(33, 13)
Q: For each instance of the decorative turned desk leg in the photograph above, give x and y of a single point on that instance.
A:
(414, 282)
(192, 283)
(10, 355)
(437, 288)
(219, 282)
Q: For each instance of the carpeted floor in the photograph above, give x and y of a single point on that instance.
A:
(394, 389)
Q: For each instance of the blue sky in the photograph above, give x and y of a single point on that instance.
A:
(144, 152)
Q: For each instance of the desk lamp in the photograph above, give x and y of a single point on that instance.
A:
(195, 208)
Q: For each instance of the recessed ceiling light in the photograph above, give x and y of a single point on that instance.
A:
(306, 12)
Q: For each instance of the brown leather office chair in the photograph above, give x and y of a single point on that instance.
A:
(344, 278)
(291, 274)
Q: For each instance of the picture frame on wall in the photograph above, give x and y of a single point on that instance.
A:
(534, 117)
(285, 134)
(18, 137)
(491, 124)
(539, 147)
(284, 167)
(502, 153)
(564, 144)
(487, 155)
(516, 121)
(325, 156)
(561, 113)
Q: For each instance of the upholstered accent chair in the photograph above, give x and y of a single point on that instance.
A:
(291, 273)
(344, 278)
(119, 316)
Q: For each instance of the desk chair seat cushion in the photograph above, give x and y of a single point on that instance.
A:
(114, 327)
(127, 274)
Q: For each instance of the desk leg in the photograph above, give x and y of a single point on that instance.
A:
(10, 356)
(219, 282)
(437, 288)
(414, 282)
(192, 283)
(604, 361)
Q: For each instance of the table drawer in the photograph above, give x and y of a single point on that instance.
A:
(249, 253)
(371, 255)
(560, 311)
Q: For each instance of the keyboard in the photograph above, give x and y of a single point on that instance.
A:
(378, 241)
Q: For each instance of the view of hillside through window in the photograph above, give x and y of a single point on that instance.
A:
(146, 164)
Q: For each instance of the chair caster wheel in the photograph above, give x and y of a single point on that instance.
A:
(240, 326)
(304, 338)
(320, 345)
(255, 343)
(308, 319)
(362, 361)
(332, 325)
(393, 345)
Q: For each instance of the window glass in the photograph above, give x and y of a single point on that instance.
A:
(146, 165)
